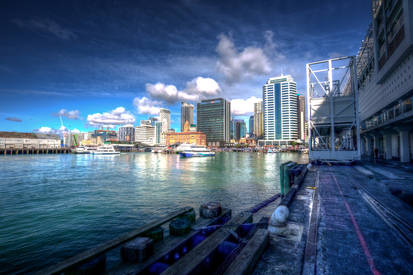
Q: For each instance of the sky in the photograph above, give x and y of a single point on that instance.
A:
(90, 64)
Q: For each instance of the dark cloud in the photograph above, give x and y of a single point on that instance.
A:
(14, 119)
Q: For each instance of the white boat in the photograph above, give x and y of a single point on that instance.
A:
(83, 150)
(184, 147)
(105, 150)
(273, 150)
(196, 151)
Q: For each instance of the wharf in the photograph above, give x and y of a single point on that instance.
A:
(31, 151)
(347, 220)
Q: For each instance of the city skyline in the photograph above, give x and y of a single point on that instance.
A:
(98, 64)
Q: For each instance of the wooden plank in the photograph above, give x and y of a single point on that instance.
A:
(244, 263)
(165, 246)
(89, 254)
(191, 260)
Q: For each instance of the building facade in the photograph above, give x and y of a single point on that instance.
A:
(165, 118)
(15, 140)
(187, 114)
(145, 134)
(385, 82)
(301, 118)
(280, 109)
(103, 136)
(258, 120)
(158, 132)
(251, 126)
(238, 129)
(213, 119)
(126, 133)
(186, 136)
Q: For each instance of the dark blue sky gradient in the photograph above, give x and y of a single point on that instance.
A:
(94, 56)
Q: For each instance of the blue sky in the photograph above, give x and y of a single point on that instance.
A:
(107, 63)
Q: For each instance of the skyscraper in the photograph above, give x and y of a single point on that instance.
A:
(213, 119)
(280, 109)
(165, 118)
(187, 114)
(238, 129)
(301, 117)
(258, 120)
(251, 126)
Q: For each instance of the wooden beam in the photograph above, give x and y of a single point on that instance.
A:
(245, 262)
(195, 257)
(91, 253)
(165, 246)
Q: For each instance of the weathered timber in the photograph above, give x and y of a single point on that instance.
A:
(195, 257)
(244, 263)
(168, 244)
(89, 254)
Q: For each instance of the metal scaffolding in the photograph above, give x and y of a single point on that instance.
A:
(333, 117)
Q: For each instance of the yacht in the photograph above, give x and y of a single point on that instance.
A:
(196, 151)
(105, 150)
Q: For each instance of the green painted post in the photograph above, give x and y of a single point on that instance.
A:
(286, 173)
(282, 185)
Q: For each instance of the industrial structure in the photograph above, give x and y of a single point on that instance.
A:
(385, 80)
(333, 117)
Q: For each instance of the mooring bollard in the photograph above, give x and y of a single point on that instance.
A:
(179, 227)
(137, 250)
(210, 210)
(278, 220)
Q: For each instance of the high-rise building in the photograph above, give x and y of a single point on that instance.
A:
(280, 109)
(238, 129)
(258, 120)
(126, 133)
(301, 117)
(187, 114)
(165, 118)
(153, 120)
(158, 132)
(251, 126)
(213, 119)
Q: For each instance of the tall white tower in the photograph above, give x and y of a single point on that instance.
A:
(280, 109)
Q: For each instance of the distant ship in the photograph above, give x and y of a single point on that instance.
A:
(105, 150)
(196, 151)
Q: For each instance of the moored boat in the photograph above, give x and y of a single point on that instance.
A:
(105, 150)
(196, 151)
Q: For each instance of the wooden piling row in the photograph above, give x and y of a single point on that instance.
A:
(32, 151)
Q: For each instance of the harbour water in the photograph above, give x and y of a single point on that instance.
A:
(53, 206)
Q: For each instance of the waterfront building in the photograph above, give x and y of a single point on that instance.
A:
(16, 140)
(385, 82)
(213, 119)
(127, 133)
(145, 133)
(258, 120)
(301, 118)
(187, 114)
(186, 136)
(280, 109)
(251, 126)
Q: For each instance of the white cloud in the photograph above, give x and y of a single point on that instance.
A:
(74, 114)
(47, 26)
(75, 131)
(146, 106)
(195, 89)
(118, 116)
(243, 106)
(239, 65)
(45, 130)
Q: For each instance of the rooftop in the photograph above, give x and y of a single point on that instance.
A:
(28, 135)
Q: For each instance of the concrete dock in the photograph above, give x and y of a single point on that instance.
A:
(347, 220)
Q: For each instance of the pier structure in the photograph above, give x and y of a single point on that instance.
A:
(33, 151)
(333, 116)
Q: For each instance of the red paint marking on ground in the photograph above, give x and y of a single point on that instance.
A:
(358, 232)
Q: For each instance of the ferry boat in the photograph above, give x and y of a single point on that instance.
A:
(83, 150)
(196, 151)
(105, 150)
